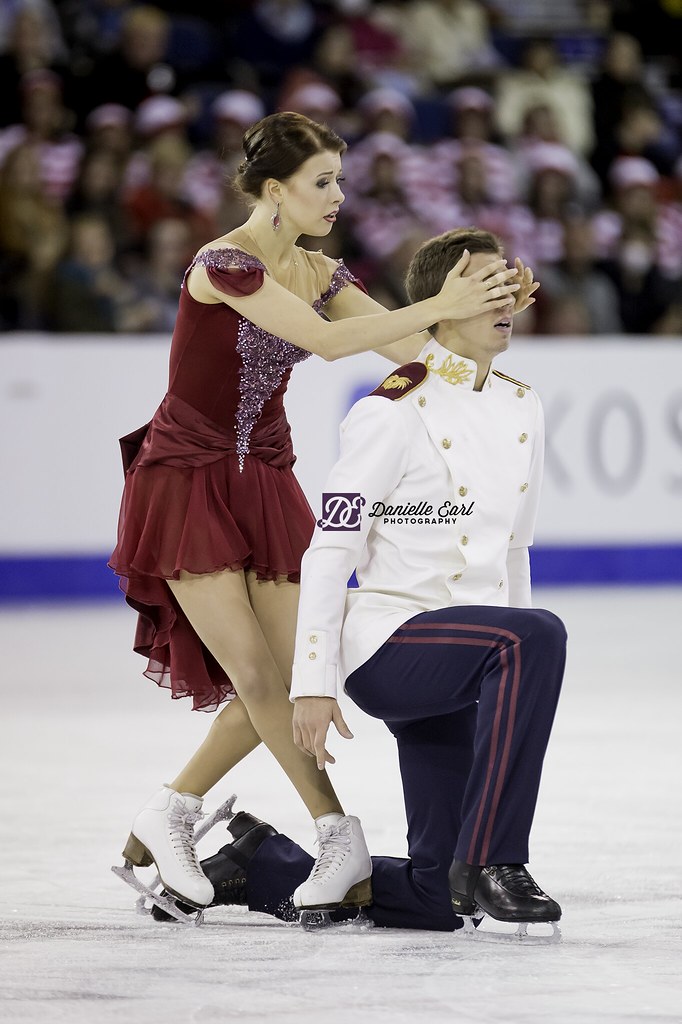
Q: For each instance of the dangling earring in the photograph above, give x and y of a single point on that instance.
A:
(276, 219)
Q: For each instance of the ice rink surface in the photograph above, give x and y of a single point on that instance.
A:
(86, 740)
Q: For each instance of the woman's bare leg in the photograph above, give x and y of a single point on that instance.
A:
(219, 609)
(232, 735)
(275, 605)
(230, 738)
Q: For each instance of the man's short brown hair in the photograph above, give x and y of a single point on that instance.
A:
(434, 260)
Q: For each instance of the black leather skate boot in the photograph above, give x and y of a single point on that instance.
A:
(226, 869)
(508, 893)
(462, 879)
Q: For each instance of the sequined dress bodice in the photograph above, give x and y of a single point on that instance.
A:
(224, 366)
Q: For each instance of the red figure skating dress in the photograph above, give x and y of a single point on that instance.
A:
(209, 482)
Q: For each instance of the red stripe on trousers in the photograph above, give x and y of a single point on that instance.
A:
(472, 641)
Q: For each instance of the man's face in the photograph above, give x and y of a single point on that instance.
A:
(488, 333)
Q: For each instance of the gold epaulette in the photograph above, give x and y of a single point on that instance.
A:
(402, 382)
(512, 380)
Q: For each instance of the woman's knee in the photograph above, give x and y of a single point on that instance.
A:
(259, 687)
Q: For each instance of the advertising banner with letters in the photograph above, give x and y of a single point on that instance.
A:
(612, 500)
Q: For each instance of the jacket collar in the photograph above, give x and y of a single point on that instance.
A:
(452, 368)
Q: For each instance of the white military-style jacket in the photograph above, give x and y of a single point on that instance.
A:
(432, 501)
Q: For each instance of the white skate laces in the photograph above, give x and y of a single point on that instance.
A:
(181, 821)
(334, 847)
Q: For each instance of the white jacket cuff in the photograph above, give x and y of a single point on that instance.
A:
(308, 680)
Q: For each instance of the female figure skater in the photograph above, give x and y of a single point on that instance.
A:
(213, 522)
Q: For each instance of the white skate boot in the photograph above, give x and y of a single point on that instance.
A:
(163, 832)
(342, 873)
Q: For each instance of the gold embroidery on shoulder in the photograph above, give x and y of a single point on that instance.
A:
(452, 373)
(403, 382)
(396, 381)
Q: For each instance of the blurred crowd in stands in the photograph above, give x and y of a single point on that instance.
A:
(557, 124)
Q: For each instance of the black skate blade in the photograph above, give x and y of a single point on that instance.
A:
(166, 903)
(543, 933)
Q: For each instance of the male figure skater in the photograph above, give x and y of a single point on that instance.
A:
(433, 501)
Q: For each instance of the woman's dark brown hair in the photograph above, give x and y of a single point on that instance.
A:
(277, 145)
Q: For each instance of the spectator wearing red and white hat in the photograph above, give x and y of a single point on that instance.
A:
(384, 112)
(165, 194)
(649, 298)
(635, 182)
(385, 222)
(210, 170)
(387, 110)
(109, 127)
(472, 127)
(156, 118)
(470, 199)
(316, 99)
(552, 196)
(541, 129)
(578, 279)
(48, 123)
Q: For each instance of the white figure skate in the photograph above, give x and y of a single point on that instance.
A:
(341, 875)
(163, 834)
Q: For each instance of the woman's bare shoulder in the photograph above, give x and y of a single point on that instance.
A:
(225, 252)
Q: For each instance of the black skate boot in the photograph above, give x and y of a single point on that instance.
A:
(226, 869)
(462, 879)
(506, 892)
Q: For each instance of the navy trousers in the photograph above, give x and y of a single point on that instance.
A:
(470, 695)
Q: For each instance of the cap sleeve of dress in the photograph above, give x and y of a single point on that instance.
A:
(232, 271)
(337, 276)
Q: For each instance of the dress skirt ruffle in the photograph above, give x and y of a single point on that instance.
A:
(186, 506)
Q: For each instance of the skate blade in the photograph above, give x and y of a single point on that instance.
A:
(224, 813)
(359, 895)
(166, 903)
(511, 931)
(316, 920)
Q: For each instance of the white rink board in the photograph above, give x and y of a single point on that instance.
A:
(614, 434)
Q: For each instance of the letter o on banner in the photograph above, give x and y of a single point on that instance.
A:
(615, 443)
